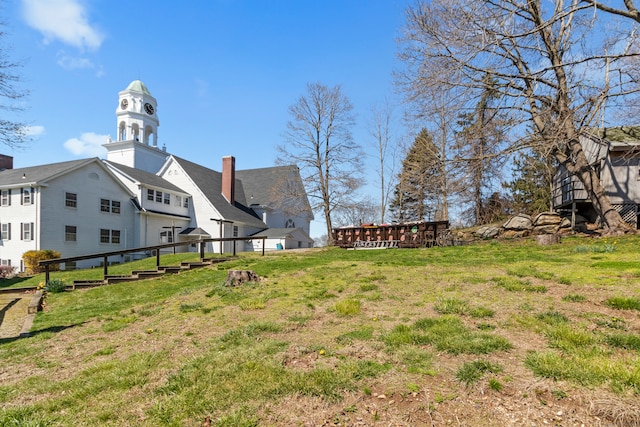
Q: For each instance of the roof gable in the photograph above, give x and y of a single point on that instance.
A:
(145, 178)
(209, 182)
(42, 174)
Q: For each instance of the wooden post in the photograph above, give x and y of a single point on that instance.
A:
(264, 239)
(157, 257)
(46, 273)
(105, 267)
(202, 250)
(234, 248)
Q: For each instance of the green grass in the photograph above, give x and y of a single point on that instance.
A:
(470, 372)
(330, 329)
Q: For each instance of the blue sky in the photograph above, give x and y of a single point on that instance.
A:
(224, 72)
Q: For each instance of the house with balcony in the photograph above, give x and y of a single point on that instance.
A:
(614, 153)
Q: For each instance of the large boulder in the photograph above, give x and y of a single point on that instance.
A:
(547, 218)
(518, 222)
(487, 232)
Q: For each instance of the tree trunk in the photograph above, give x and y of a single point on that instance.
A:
(577, 164)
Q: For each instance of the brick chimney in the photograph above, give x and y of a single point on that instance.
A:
(229, 178)
(6, 162)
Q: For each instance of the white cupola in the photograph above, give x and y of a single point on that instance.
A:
(136, 144)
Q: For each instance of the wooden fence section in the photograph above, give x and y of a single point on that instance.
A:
(405, 235)
(156, 248)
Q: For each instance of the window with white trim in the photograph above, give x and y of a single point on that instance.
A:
(158, 196)
(6, 231)
(27, 196)
(5, 198)
(167, 198)
(26, 231)
(186, 202)
(112, 206)
(70, 200)
(166, 236)
(109, 236)
(150, 194)
(70, 233)
(5, 262)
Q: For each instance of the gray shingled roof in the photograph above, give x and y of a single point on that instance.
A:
(146, 178)
(210, 183)
(263, 185)
(41, 173)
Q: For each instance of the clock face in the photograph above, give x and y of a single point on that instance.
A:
(148, 108)
(124, 104)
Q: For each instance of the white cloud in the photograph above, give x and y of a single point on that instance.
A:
(34, 130)
(70, 63)
(64, 20)
(89, 144)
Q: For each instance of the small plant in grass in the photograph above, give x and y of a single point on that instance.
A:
(559, 394)
(569, 339)
(626, 341)
(418, 361)
(366, 287)
(518, 285)
(471, 372)
(252, 304)
(495, 385)
(348, 307)
(564, 280)
(481, 312)
(552, 317)
(413, 388)
(612, 323)
(574, 298)
(451, 306)
(187, 308)
(485, 326)
(55, 286)
(605, 247)
(624, 303)
(363, 334)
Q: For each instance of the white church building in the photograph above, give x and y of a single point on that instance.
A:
(141, 195)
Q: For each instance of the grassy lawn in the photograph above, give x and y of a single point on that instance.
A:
(494, 333)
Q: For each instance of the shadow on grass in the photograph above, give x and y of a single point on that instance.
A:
(32, 334)
(9, 283)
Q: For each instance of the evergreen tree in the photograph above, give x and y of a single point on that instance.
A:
(531, 186)
(419, 184)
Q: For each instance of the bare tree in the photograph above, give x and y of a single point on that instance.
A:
(320, 143)
(550, 68)
(12, 133)
(363, 211)
(380, 125)
(477, 154)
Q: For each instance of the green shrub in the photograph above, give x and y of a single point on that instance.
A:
(32, 260)
(55, 286)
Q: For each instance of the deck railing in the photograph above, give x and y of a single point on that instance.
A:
(155, 248)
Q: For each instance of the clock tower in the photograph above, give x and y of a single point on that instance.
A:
(136, 144)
